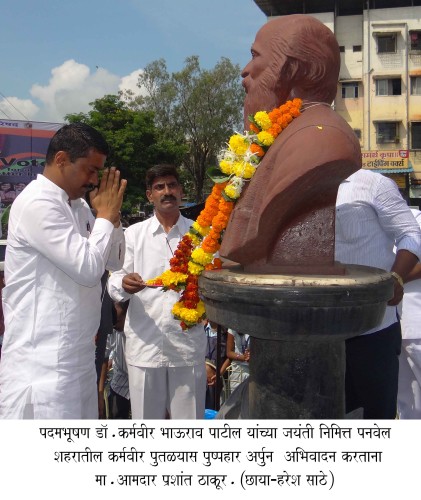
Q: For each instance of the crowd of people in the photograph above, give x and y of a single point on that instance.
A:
(87, 337)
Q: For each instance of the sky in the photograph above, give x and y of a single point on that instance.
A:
(57, 56)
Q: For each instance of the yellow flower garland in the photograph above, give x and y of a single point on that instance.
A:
(237, 164)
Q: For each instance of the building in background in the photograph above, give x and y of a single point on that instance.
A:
(379, 89)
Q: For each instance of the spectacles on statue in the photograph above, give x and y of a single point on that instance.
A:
(161, 186)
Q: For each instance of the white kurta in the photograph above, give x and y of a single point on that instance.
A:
(166, 365)
(56, 255)
(153, 337)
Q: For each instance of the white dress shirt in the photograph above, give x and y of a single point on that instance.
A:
(372, 217)
(153, 337)
(411, 303)
(56, 255)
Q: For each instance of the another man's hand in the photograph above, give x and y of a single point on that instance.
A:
(107, 199)
(210, 375)
(133, 283)
(397, 294)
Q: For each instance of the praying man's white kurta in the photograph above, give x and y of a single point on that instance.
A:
(56, 255)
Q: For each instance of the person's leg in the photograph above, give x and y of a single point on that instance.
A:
(148, 392)
(372, 367)
(210, 397)
(187, 392)
(119, 407)
(409, 391)
(112, 406)
(123, 407)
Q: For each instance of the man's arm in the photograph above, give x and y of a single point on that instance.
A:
(397, 219)
(117, 251)
(106, 201)
(48, 227)
(403, 266)
(399, 222)
(414, 274)
(124, 282)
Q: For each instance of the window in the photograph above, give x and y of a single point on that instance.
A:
(341, 48)
(357, 132)
(388, 86)
(416, 135)
(415, 39)
(356, 48)
(349, 90)
(415, 85)
(386, 43)
(387, 132)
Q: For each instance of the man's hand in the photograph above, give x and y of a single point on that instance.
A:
(397, 294)
(107, 199)
(133, 283)
(404, 264)
(210, 375)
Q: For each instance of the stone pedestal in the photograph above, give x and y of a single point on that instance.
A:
(298, 326)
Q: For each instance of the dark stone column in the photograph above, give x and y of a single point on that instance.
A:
(296, 379)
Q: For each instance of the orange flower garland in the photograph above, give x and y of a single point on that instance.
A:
(197, 248)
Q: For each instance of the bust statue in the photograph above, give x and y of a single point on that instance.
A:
(284, 221)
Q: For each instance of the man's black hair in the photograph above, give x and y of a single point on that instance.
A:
(76, 139)
(161, 170)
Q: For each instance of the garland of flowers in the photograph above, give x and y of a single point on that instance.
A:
(196, 251)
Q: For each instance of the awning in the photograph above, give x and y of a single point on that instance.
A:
(383, 76)
(387, 31)
(350, 80)
(389, 120)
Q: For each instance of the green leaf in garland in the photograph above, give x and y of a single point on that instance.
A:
(227, 198)
(216, 175)
(253, 121)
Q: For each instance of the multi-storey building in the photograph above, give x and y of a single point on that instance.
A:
(379, 88)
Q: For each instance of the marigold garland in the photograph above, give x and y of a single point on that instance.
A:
(196, 251)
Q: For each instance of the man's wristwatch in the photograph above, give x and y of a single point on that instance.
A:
(397, 278)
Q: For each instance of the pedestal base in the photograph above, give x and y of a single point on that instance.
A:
(298, 325)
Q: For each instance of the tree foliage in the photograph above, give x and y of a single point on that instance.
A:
(134, 141)
(197, 107)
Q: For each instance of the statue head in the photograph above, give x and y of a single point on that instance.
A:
(292, 56)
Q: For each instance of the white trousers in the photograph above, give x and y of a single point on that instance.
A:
(409, 390)
(167, 392)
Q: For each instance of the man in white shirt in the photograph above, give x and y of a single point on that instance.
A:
(371, 218)
(56, 254)
(165, 364)
(409, 389)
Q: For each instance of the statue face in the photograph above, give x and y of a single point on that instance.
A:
(261, 76)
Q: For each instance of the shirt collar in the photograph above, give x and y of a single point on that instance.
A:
(157, 228)
(58, 191)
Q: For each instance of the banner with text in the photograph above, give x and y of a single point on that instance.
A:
(385, 160)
